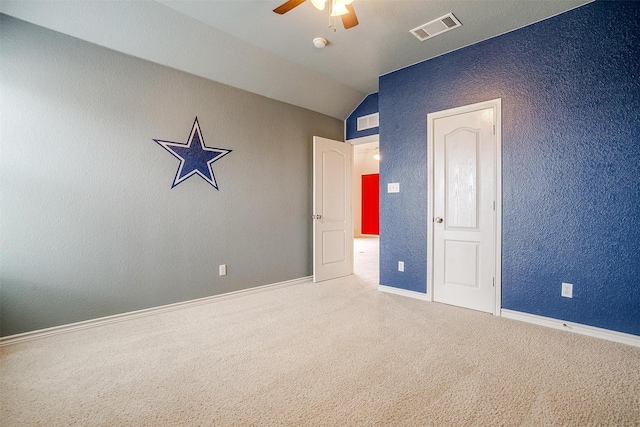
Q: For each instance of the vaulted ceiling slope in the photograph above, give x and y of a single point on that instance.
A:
(244, 44)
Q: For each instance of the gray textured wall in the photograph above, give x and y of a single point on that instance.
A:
(89, 223)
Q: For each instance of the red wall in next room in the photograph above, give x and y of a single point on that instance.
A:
(371, 204)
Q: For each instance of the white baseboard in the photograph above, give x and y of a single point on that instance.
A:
(404, 292)
(577, 328)
(63, 329)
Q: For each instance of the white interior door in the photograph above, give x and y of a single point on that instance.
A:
(465, 195)
(332, 215)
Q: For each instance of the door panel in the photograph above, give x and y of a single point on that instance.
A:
(461, 164)
(464, 165)
(334, 182)
(461, 263)
(333, 246)
(332, 219)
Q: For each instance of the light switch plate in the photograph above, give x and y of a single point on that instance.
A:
(393, 187)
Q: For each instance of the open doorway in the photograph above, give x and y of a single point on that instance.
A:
(366, 244)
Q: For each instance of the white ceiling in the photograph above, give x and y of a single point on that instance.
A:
(244, 44)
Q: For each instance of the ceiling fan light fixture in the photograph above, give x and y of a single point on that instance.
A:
(339, 9)
(342, 8)
(318, 4)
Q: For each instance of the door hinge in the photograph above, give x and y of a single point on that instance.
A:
(494, 205)
(494, 129)
(494, 282)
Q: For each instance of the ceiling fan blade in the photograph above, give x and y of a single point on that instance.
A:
(287, 6)
(350, 19)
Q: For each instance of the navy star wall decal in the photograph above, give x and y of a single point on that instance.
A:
(195, 158)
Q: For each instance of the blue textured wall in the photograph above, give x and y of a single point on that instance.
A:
(570, 89)
(369, 105)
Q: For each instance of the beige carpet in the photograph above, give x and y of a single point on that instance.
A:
(338, 353)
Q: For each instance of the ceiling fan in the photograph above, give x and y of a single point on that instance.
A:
(342, 8)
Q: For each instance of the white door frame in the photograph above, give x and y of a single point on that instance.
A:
(496, 104)
(355, 142)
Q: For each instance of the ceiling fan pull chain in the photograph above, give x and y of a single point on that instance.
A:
(331, 17)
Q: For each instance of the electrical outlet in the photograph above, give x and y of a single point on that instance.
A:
(223, 269)
(400, 265)
(567, 290)
(393, 187)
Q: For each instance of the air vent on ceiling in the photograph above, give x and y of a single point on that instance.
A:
(435, 27)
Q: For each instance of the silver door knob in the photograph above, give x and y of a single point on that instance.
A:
(438, 220)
